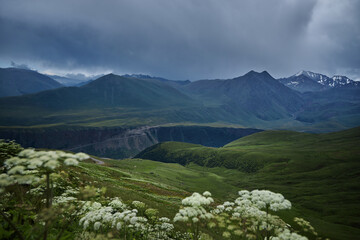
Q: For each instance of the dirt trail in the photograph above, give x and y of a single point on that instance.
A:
(97, 161)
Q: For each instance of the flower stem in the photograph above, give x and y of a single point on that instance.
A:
(47, 203)
(12, 225)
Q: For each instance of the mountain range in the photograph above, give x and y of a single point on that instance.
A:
(253, 100)
(254, 93)
(306, 81)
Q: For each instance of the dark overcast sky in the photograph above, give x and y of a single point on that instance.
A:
(182, 39)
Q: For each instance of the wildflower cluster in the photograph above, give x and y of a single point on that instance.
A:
(264, 199)
(29, 166)
(194, 208)
(68, 196)
(119, 218)
(194, 211)
(285, 234)
(38, 175)
(246, 218)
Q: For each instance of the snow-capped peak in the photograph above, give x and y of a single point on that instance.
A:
(302, 72)
(325, 81)
(343, 80)
(320, 78)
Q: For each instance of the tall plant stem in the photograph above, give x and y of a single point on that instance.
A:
(47, 203)
(12, 225)
(267, 222)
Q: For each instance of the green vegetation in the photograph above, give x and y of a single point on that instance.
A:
(48, 195)
(319, 173)
(8, 149)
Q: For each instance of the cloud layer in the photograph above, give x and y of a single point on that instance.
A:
(183, 39)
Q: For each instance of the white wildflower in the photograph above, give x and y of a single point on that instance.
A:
(138, 204)
(197, 200)
(97, 225)
(81, 156)
(6, 180)
(263, 199)
(26, 152)
(287, 235)
(71, 162)
(16, 170)
(34, 163)
(207, 194)
(118, 226)
(164, 219)
(167, 226)
(52, 164)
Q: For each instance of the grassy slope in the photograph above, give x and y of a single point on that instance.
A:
(159, 185)
(319, 173)
(163, 185)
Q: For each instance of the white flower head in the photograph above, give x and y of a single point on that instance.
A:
(16, 170)
(52, 164)
(81, 156)
(71, 162)
(6, 180)
(207, 194)
(97, 225)
(263, 199)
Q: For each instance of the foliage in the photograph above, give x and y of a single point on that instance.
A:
(319, 173)
(41, 199)
(8, 149)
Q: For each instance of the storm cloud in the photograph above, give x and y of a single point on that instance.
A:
(182, 39)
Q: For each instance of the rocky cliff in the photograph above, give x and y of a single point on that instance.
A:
(121, 142)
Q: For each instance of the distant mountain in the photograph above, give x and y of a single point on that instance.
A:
(84, 83)
(254, 100)
(16, 81)
(302, 83)
(77, 80)
(65, 81)
(108, 91)
(147, 77)
(254, 93)
(340, 104)
(306, 81)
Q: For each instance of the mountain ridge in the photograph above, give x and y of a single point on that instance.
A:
(17, 81)
(254, 92)
(307, 81)
(255, 100)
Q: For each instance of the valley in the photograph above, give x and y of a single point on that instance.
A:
(318, 173)
(180, 120)
(117, 142)
(171, 138)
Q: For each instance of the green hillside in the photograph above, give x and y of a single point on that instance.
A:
(16, 82)
(163, 185)
(318, 172)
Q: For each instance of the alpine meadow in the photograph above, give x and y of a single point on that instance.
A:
(180, 120)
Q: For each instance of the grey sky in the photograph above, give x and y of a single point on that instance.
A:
(182, 39)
